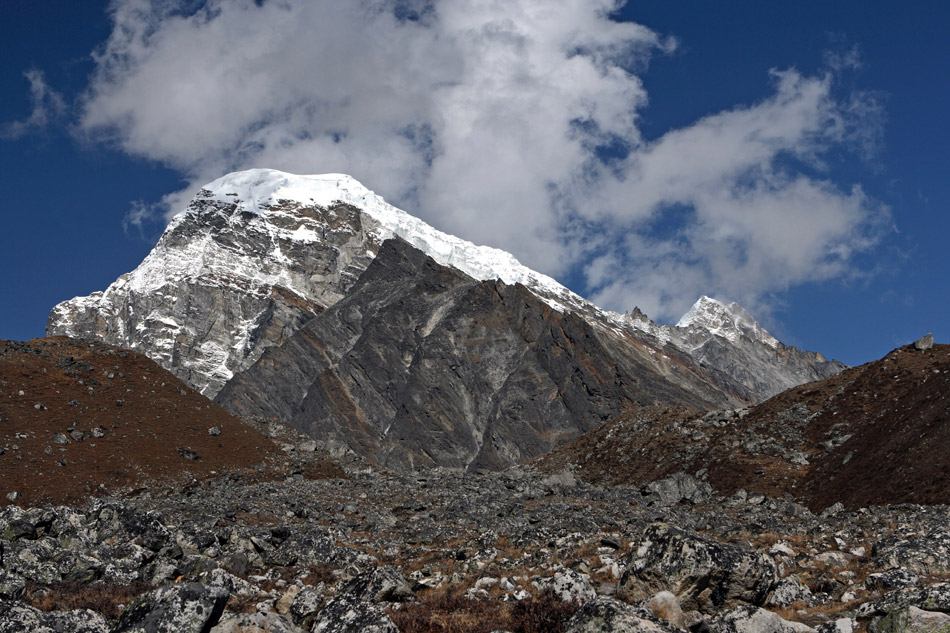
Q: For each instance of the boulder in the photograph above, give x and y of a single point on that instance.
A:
(911, 620)
(345, 616)
(924, 342)
(677, 488)
(607, 615)
(185, 608)
(254, 623)
(933, 597)
(16, 617)
(704, 575)
(569, 586)
(751, 619)
(925, 554)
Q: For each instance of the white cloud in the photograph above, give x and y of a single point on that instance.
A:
(485, 117)
(725, 206)
(47, 105)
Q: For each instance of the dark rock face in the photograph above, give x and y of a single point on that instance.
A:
(421, 365)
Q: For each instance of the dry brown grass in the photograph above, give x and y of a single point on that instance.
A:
(104, 597)
(451, 612)
(813, 616)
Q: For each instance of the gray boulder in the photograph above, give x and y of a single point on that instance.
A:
(911, 620)
(925, 554)
(677, 488)
(16, 617)
(704, 575)
(185, 608)
(924, 342)
(933, 597)
(345, 616)
(255, 623)
(607, 615)
(750, 619)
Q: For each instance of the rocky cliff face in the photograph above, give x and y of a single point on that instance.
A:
(421, 365)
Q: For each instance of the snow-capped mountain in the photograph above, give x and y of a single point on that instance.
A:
(732, 322)
(259, 253)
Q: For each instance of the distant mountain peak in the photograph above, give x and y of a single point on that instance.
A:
(730, 321)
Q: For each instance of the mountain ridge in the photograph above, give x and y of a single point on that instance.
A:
(257, 254)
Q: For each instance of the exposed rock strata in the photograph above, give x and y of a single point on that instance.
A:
(421, 365)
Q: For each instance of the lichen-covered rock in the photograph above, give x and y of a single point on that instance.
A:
(569, 585)
(607, 615)
(789, 591)
(895, 578)
(911, 620)
(703, 574)
(751, 619)
(185, 608)
(20, 618)
(341, 615)
(677, 488)
(932, 597)
(254, 623)
(925, 554)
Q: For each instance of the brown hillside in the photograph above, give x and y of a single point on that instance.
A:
(872, 435)
(80, 418)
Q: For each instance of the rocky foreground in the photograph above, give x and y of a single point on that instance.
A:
(446, 551)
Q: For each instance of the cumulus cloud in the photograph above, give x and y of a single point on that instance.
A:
(46, 106)
(490, 120)
(725, 207)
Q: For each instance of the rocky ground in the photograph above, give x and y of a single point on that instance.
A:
(296, 540)
(445, 551)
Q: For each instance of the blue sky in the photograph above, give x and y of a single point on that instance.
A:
(787, 155)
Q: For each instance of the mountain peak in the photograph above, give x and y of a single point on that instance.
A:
(729, 321)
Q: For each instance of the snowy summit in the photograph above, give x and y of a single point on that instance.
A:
(730, 321)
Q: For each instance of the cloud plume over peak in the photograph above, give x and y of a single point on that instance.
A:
(508, 123)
